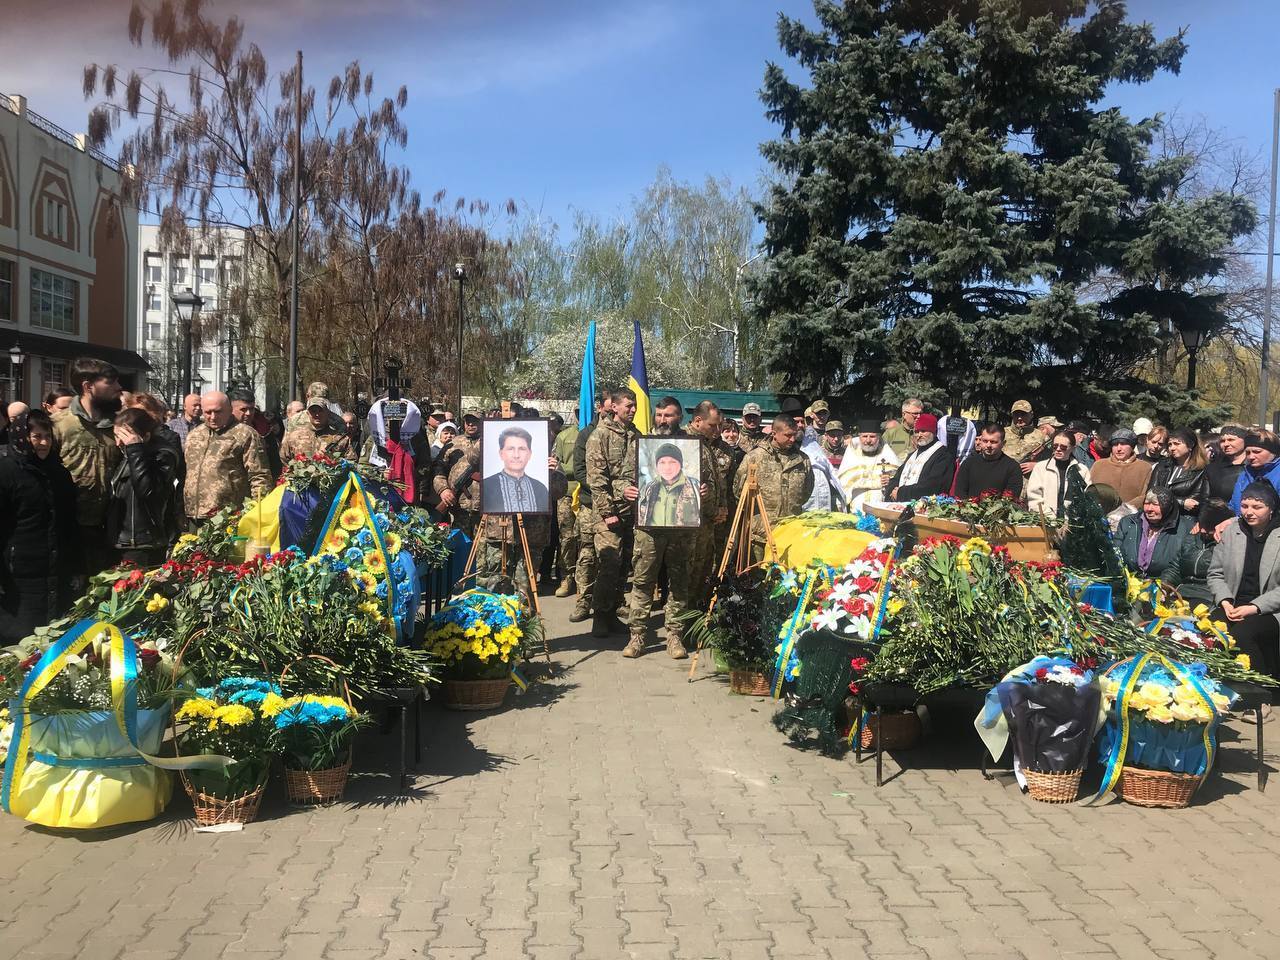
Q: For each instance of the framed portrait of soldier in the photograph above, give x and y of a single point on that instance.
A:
(669, 473)
(514, 467)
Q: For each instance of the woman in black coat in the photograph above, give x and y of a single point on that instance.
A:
(1182, 472)
(141, 519)
(39, 537)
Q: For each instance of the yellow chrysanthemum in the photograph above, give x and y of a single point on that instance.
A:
(375, 562)
(196, 708)
(394, 543)
(271, 704)
(353, 518)
(156, 603)
(187, 538)
(1244, 661)
(232, 715)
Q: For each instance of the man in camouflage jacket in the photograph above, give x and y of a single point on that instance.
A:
(752, 434)
(456, 475)
(784, 477)
(316, 435)
(611, 476)
(225, 461)
(705, 425)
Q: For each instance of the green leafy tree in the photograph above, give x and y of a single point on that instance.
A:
(948, 184)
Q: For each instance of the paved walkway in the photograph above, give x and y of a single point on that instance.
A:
(617, 812)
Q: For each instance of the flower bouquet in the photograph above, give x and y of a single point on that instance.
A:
(313, 735)
(742, 628)
(233, 719)
(479, 637)
(1159, 740)
(1051, 708)
(77, 767)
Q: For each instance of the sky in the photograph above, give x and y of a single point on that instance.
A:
(573, 105)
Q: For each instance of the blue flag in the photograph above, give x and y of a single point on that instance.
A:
(587, 392)
(639, 384)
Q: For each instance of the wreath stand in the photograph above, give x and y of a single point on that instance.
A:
(738, 546)
(469, 571)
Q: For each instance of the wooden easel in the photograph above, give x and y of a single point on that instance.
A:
(738, 546)
(470, 571)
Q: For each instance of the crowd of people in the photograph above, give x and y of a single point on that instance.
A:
(99, 475)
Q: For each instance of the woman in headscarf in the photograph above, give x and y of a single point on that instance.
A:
(39, 537)
(1245, 577)
(1154, 543)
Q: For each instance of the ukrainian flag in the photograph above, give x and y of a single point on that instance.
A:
(587, 392)
(639, 384)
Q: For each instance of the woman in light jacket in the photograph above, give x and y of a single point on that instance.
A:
(1047, 483)
(1245, 577)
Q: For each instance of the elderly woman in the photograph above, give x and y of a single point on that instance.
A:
(1245, 577)
(1154, 543)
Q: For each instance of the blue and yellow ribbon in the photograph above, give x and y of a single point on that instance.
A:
(1119, 749)
(789, 637)
(124, 704)
(518, 679)
(355, 487)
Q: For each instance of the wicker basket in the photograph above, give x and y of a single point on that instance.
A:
(1061, 787)
(475, 694)
(901, 730)
(1156, 788)
(211, 811)
(308, 787)
(749, 683)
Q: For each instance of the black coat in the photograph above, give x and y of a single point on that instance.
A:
(39, 536)
(934, 479)
(142, 511)
(1181, 484)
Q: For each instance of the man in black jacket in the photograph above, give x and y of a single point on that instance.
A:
(988, 467)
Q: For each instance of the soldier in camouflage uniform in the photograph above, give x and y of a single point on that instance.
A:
(611, 475)
(784, 476)
(1022, 440)
(728, 457)
(705, 425)
(752, 434)
(225, 461)
(566, 516)
(585, 572)
(316, 435)
(302, 417)
(456, 478)
(501, 558)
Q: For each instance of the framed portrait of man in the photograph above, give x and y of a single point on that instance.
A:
(514, 467)
(670, 473)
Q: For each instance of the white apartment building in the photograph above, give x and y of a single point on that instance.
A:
(68, 261)
(211, 269)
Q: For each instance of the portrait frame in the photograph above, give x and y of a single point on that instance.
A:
(495, 495)
(649, 478)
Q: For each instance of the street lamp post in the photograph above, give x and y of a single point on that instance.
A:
(188, 306)
(1193, 340)
(354, 361)
(16, 359)
(460, 274)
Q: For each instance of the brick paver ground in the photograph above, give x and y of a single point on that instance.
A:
(616, 811)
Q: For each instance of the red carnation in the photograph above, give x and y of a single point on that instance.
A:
(855, 689)
(1042, 673)
(860, 663)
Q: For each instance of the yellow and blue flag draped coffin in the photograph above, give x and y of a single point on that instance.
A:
(820, 539)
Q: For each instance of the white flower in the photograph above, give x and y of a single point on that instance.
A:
(842, 591)
(828, 619)
(859, 626)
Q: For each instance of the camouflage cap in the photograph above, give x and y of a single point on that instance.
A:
(318, 389)
(835, 426)
(1049, 422)
(819, 406)
(474, 412)
(1021, 406)
(750, 409)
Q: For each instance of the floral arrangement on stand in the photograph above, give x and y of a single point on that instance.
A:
(750, 611)
(848, 606)
(1159, 740)
(479, 637)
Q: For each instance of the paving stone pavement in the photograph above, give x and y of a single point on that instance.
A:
(617, 811)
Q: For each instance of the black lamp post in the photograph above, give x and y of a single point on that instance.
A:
(460, 274)
(1193, 339)
(188, 306)
(16, 359)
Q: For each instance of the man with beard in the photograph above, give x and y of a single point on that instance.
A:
(867, 466)
(928, 469)
(666, 418)
(784, 477)
(611, 475)
(85, 439)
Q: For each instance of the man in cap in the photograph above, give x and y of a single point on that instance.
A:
(868, 465)
(928, 470)
(435, 417)
(899, 436)
(752, 433)
(456, 476)
(1023, 442)
(316, 435)
(316, 389)
(816, 417)
(834, 442)
(783, 475)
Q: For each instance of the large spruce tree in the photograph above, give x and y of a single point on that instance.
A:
(955, 214)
